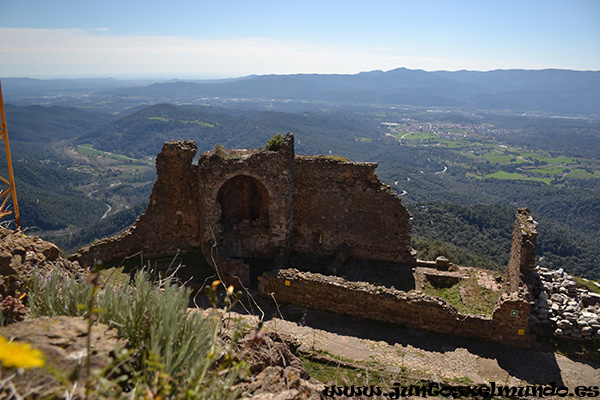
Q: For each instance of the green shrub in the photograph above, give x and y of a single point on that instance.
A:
(274, 144)
(176, 354)
(219, 150)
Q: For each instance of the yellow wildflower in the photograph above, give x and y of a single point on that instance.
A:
(19, 355)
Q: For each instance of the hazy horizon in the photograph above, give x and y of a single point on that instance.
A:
(166, 78)
(229, 39)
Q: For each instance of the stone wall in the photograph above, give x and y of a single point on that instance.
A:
(519, 273)
(233, 216)
(509, 323)
(344, 203)
(572, 312)
(263, 204)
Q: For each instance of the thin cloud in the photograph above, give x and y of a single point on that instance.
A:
(64, 52)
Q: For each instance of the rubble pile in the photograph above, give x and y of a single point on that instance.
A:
(575, 312)
(20, 255)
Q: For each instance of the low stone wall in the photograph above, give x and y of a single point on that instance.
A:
(509, 323)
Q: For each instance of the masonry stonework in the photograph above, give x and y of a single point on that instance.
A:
(510, 322)
(342, 203)
(275, 205)
(266, 205)
(519, 273)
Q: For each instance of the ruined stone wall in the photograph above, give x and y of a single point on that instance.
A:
(263, 204)
(244, 233)
(509, 323)
(170, 223)
(519, 273)
(340, 202)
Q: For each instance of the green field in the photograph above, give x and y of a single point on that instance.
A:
(503, 159)
(453, 144)
(580, 174)
(196, 122)
(514, 176)
(421, 136)
(549, 170)
(400, 134)
(88, 150)
(557, 160)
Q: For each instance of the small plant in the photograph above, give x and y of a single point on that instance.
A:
(274, 144)
(174, 353)
(219, 150)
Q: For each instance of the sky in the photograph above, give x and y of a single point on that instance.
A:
(232, 38)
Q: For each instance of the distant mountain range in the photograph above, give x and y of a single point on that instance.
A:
(551, 91)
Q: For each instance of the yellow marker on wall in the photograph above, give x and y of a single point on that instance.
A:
(521, 331)
(287, 283)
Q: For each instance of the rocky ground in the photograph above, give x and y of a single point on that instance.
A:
(276, 372)
(573, 313)
(63, 341)
(334, 339)
(19, 256)
(428, 356)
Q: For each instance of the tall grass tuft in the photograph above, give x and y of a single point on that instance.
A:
(175, 354)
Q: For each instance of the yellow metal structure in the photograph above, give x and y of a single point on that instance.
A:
(11, 191)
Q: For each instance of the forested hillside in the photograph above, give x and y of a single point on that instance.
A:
(45, 183)
(480, 235)
(51, 124)
(143, 132)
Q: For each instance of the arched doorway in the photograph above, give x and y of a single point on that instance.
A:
(244, 204)
(244, 220)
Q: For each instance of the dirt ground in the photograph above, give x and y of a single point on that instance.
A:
(430, 355)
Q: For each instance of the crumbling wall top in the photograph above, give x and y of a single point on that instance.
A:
(184, 149)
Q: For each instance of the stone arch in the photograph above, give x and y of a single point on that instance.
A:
(244, 203)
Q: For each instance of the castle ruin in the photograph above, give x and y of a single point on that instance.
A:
(264, 204)
(308, 210)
